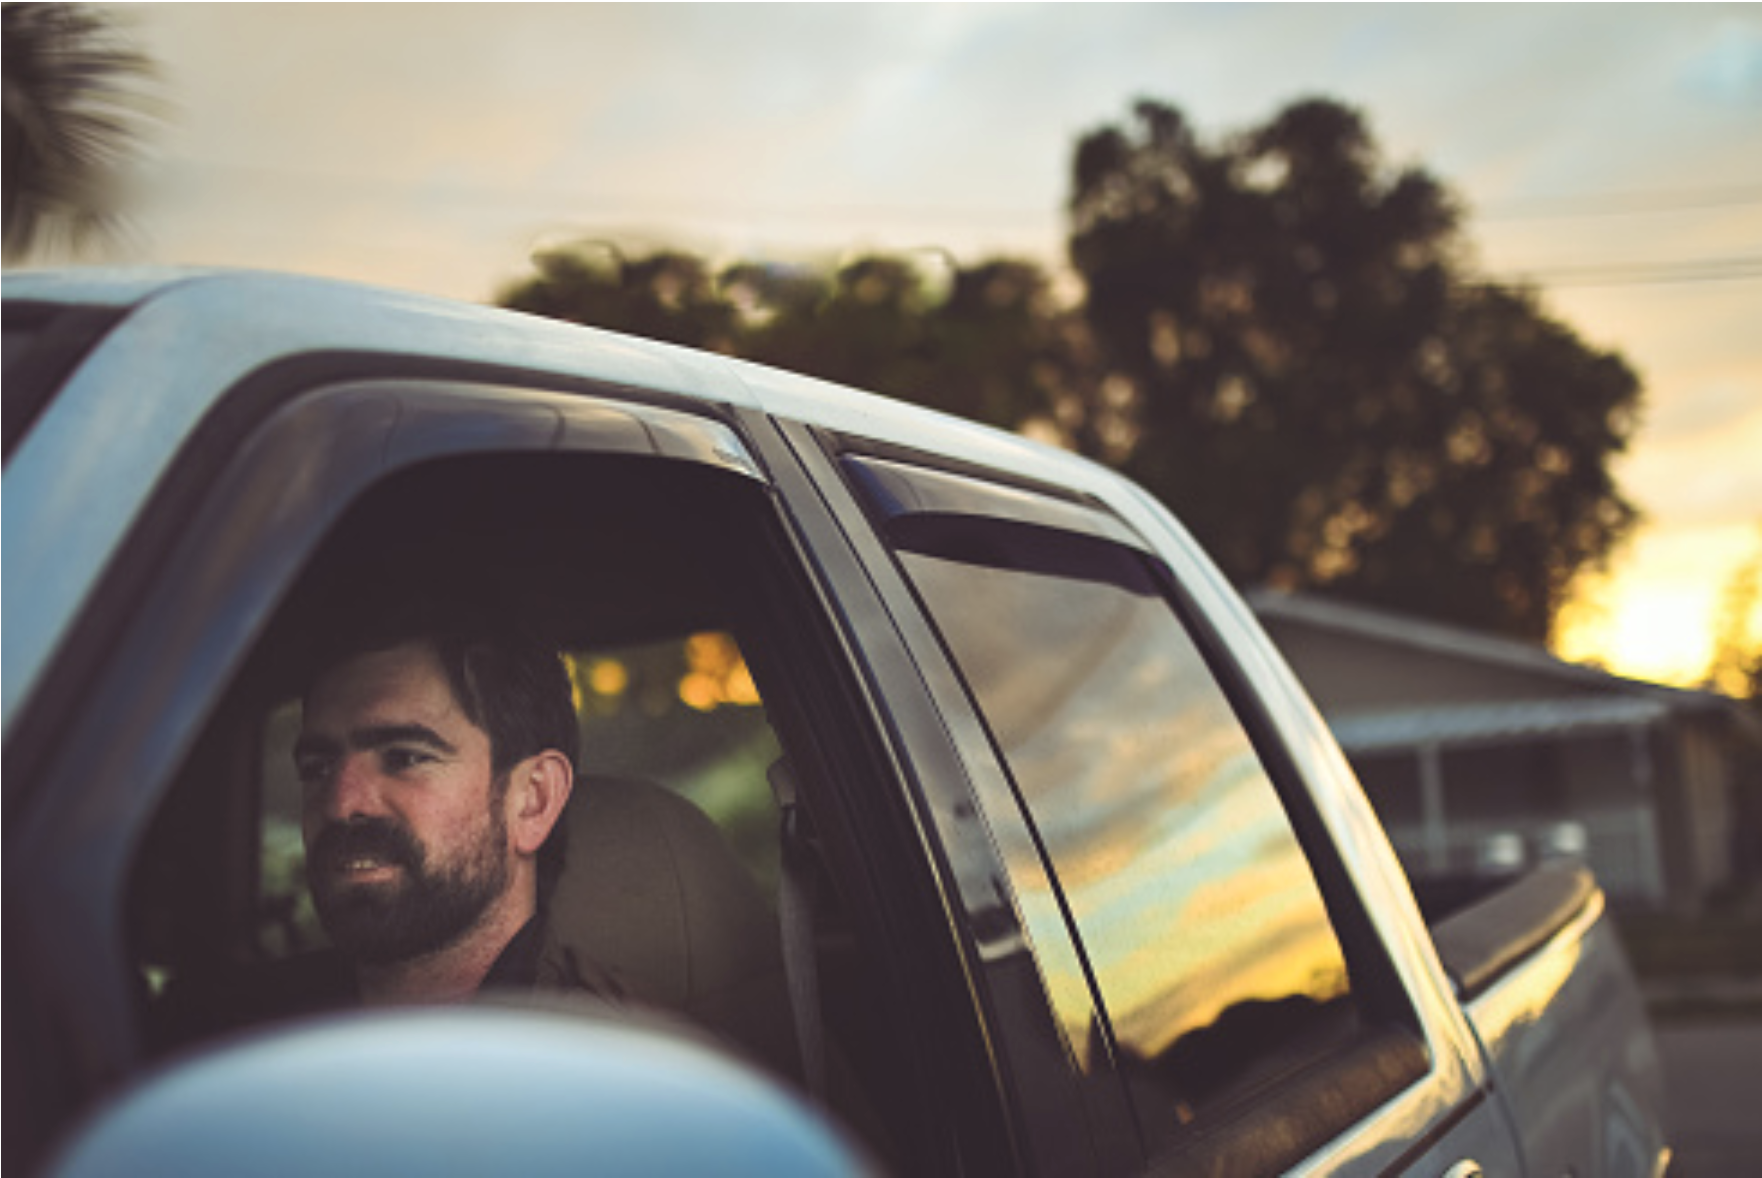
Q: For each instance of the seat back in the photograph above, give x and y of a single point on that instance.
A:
(651, 892)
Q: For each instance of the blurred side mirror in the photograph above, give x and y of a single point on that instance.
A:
(458, 1091)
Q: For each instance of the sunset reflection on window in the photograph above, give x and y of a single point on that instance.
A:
(1204, 927)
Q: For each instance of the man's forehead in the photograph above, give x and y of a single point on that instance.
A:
(407, 677)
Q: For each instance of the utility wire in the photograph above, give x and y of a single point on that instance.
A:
(1616, 204)
(1586, 205)
(1736, 267)
(1729, 268)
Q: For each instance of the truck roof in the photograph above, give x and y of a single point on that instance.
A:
(251, 318)
(86, 448)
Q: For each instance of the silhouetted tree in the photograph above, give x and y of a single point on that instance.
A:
(1736, 664)
(668, 296)
(1278, 339)
(1009, 354)
(868, 326)
(73, 108)
(993, 345)
(1316, 390)
(1736, 669)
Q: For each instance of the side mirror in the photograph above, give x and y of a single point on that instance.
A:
(460, 1091)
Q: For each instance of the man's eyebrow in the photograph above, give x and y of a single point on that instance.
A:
(374, 736)
(377, 736)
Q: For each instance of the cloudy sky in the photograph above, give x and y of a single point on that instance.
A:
(1611, 153)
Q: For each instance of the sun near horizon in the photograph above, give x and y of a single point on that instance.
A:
(1656, 617)
(1657, 635)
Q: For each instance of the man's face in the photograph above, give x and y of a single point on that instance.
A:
(406, 839)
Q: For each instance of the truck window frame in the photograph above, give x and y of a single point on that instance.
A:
(44, 343)
(1061, 1119)
(891, 484)
(76, 831)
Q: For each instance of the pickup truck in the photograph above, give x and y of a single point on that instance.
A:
(947, 752)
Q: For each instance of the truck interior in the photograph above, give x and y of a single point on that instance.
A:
(669, 588)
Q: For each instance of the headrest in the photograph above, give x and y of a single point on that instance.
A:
(651, 891)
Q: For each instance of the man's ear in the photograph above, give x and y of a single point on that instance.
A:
(536, 796)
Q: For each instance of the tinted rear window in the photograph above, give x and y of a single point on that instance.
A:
(44, 343)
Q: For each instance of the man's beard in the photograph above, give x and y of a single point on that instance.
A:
(425, 910)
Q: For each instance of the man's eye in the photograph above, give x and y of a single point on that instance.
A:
(399, 760)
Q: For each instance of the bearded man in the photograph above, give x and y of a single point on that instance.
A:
(436, 753)
(435, 766)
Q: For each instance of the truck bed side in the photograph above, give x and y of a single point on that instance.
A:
(1559, 1016)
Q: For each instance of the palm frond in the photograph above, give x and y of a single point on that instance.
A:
(75, 105)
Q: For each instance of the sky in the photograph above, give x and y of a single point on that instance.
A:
(1611, 154)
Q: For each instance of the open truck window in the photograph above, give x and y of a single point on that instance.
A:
(639, 572)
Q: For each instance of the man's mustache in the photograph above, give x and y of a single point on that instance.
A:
(341, 843)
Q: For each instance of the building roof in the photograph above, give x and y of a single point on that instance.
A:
(1461, 725)
(1473, 646)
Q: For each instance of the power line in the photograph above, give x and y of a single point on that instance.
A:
(1613, 204)
(1734, 268)
(597, 206)
(600, 202)
(483, 194)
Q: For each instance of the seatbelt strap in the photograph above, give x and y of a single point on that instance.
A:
(795, 910)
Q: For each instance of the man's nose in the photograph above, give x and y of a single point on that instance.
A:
(354, 791)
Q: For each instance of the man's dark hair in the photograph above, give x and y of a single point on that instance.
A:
(514, 688)
(507, 679)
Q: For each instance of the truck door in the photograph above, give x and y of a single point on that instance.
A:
(1225, 977)
(152, 836)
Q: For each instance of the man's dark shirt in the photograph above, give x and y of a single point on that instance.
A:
(516, 966)
(231, 999)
